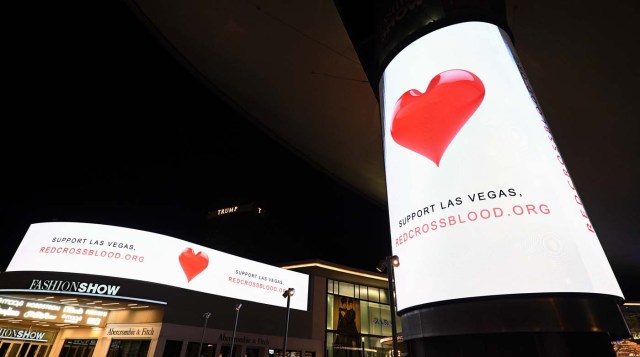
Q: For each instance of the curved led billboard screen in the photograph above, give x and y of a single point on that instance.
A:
(480, 200)
(96, 249)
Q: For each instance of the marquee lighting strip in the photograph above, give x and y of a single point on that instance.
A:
(23, 339)
(330, 267)
(113, 297)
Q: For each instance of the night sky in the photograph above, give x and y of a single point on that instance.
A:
(108, 127)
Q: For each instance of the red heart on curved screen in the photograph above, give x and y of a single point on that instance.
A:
(427, 122)
(193, 264)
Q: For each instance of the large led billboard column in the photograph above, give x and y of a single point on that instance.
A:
(491, 232)
(497, 252)
(480, 200)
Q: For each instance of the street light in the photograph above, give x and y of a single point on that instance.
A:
(206, 316)
(233, 339)
(287, 294)
(389, 263)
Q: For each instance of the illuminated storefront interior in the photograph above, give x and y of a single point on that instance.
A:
(368, 320)
(65, 325)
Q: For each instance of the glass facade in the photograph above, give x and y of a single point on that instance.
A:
(631, 345)
(78, 348)
(358, 320)
(129, 348)
(172, 348)
(203, 349)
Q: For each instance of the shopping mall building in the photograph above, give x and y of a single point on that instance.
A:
(65, 294)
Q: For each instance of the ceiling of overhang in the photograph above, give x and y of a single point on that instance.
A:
(291, 67)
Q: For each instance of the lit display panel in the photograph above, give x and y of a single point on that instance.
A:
(480, 200)
(133, 254)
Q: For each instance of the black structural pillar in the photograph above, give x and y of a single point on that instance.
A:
(516, 324)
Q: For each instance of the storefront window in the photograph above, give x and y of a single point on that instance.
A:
(129, 348)
(630, 346)
(330, 312)
(379, 318)
(356, 326)
(290, 353)
(79, 347)
(384, 297)
(364, 316)
(193, 349)
(224, 351)
(364, 293)
(13, 351)
(172, 348)
(42, 351)
(372, 347)
(252, 352)
(346, 289)
(374, 294)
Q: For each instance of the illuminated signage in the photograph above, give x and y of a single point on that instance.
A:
(42, 306)
(93, 321)
(35, 310)
(39, 315)
(480, 200)
(132, 330)
(74, 286)
(73, 310)
(251, 207)
(133, 254)
(244, 339)
(71, 318)
(23, 334)
(11, 302)
(91, 312)
(10, 312)
(381, 322)
(222, 211)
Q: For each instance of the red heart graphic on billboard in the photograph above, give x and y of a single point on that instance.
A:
(193, 264)
(427, 122)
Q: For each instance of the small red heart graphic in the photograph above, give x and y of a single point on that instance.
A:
(193, 264)
(427, 122)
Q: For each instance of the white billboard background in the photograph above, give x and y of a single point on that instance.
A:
(139, 255)
(534, 238)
